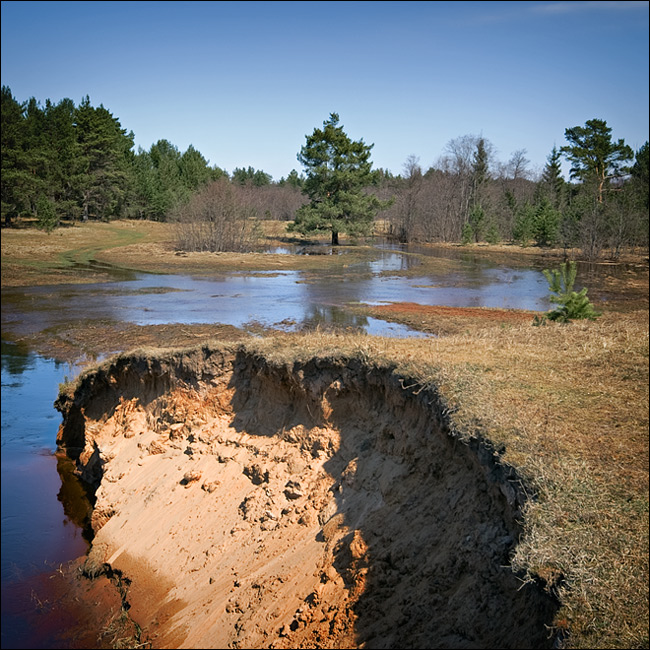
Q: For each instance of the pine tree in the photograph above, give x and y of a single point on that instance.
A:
(571, 304)
(552, 179)
(64, 168)
(338, 172)
(479, 171)
(46, 213)
(546, 223)
(36, 158)
(104, 155)
(594, 156)
(194, 169)
(477, 221)
(15, 177)
(640, 173)
(524, 226)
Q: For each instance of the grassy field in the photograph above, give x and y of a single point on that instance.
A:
(568, 404)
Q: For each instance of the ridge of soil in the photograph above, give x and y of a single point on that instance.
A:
(321, 504)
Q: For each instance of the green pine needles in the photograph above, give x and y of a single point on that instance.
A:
(571, 305)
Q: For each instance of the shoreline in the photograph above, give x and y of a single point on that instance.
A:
(568, 404)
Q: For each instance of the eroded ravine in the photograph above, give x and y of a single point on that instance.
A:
(320, 504)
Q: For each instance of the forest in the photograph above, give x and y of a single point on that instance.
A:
(63, 163)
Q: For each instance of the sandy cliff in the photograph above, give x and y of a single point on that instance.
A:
(249, 504)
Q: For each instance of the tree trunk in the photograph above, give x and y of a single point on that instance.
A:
(335, 238)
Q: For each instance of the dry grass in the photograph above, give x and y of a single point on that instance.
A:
(91, 340)
(31, 256)
(569, 404)
(70, 254)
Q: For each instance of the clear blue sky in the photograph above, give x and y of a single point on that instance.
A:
(245, 82)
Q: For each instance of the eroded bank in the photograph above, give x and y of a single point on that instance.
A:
(324, 503)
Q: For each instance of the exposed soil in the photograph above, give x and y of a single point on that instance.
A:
(324, 504)
(496, 315)
(441, 320)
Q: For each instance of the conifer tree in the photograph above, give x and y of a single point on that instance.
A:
(640, 173)
(338, 172)
(594, 156)
(570, 304)
(64, 163)
(104, 153)
(479, 170)
(552, 179)
(15, 177)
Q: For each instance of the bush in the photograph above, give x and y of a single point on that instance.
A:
(47, 219)
(216, 220)
(492, 235)
(467, 236)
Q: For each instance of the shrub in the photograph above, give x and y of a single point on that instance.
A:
(47, 219)
(217, 219)
(467, 236)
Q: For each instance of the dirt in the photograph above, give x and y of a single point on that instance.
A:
(497, 315)
(440, 320)
(324, 504)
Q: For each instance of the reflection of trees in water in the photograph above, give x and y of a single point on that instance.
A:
(326, 297)
(76, 498)
(332, 317)
(15, 358)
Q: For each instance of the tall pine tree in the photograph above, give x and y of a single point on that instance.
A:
(104, 154)
(552, 180)
(594, 156)
(338, 173)
(15, 177)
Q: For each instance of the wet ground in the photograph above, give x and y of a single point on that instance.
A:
(285, 299)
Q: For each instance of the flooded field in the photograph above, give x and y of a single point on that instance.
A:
(285, 299)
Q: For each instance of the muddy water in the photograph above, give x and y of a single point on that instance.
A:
(40, 521)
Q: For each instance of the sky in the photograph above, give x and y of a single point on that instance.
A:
(246, 82)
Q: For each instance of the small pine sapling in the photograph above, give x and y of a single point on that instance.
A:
(571, 305)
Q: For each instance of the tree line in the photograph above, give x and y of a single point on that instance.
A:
(468, 196)
(66, 162)
(75, 162)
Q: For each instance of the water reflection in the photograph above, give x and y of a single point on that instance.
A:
(331, 316)
(42, 516)
(36, 531)
(274, 297)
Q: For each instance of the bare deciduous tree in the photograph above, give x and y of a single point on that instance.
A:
(517, 166)
(217, 219)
